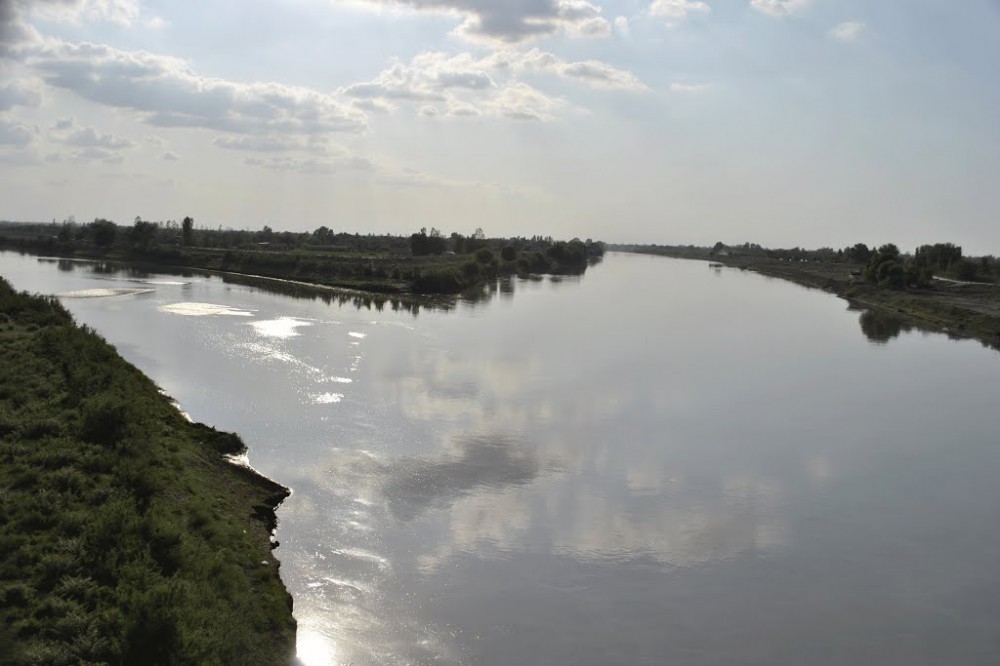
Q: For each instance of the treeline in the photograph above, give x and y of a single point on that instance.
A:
(422, 262)
(125, 538)
(885, 265)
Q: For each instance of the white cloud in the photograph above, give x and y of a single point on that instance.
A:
(273, 143)
(519, 101)
(426, 78)
(600, 75)
(464, 82)
(677, 8)
(371, 105)
(596, 27)
(622, 25)
(15, 133)
(20, 93)
(312, 165)
(464, 85)
(167, 93)
(688, 88)
(156, 23)
(96, 154)
(122, 12)
(778, 7)
(847, 31)
(463, 110)
(510, 22)
(88, 137)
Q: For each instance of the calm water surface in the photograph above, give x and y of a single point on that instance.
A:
(657, 463)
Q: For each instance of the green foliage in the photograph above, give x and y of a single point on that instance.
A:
(125, 538)
(424, 262)
(102, 232)
(187, 230)
(422, 244)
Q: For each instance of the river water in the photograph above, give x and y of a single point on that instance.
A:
(656, 463)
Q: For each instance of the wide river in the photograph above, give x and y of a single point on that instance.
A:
(656, 463)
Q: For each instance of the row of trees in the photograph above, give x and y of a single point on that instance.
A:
(423, 261)
(141, 235)
(883, 265)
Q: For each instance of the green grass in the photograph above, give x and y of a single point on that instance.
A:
(125, 538)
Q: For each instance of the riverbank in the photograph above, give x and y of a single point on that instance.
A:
(125, 536)
(960, 310)
(384, 265)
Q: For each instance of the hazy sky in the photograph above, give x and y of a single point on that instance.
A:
(784, 122)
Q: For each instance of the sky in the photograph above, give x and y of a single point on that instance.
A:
(781, 122)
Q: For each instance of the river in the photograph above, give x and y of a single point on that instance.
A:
(655, 463)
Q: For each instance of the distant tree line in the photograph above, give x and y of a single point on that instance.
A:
(884, 265)
(424, 262)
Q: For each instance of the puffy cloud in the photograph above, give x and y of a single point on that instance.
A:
(467, 85)
(847, 31)
(622, 25)
(519, 101)
(677, 8)
(15, 133)
(88, 137)
(96, 154)
(20, 93)
(270, 144)
(167, 93)
(463, 85)
(96, 146)
(122, 12)
(510, 22)
(425, 79)
(778, 7)
(16, 33)
(600, 75)
(463, 110)
(371, 105)
(595, 27)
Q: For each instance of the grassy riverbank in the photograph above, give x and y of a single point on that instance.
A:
(958, 309)
(383, 264)
(961, 310)
(124, 535)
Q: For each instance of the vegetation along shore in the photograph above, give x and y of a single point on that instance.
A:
(426, 262)
(935, 286)
(125, 536)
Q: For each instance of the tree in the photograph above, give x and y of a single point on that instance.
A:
(422, 244)
(858, 254)
(102, 232)
(142, 233)
(187, 231)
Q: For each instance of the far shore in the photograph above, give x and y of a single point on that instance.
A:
(958, 309)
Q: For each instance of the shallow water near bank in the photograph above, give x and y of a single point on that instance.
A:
(654, 463)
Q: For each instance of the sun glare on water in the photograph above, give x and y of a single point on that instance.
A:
(314, 649)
